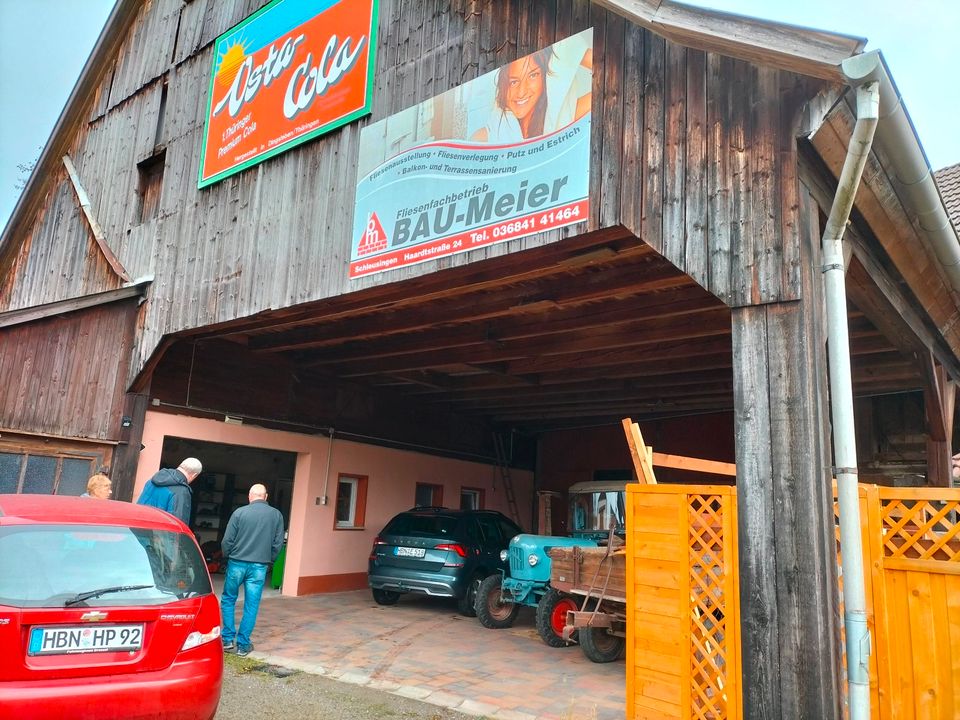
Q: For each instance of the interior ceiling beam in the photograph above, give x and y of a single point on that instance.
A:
(568, 257)
(644, 286)
(617, 409)
(514, 394)
(640, 332)
(588, 397)
(644, 357)
(543, 329)
(581, 371)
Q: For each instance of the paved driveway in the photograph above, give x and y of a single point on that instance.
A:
(422, 648)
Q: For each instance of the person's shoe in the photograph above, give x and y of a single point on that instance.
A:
(244, 651)
(230, 647)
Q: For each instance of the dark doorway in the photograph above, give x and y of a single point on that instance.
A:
(228, 473)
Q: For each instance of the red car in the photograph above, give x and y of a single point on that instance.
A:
(106, 611)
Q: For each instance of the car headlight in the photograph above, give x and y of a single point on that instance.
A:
(533, 560)
(504, 554)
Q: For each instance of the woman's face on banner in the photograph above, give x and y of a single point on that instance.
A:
(525, 86)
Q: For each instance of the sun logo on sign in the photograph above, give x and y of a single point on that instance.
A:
(230, 60)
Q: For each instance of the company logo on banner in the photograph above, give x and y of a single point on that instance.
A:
(292, 71)
(501, 157)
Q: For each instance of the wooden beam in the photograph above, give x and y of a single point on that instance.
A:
(39, 312)
(92, 221)
(679, 462)
(640, 454)
(939, 396)
(763, 42)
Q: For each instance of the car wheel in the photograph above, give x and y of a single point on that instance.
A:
(600, 646)
(385, 597)
(552, 617)
(467, 605)
(492, 611)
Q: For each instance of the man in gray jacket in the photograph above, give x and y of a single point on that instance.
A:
(251, 542)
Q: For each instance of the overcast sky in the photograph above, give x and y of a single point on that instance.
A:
(45, 43)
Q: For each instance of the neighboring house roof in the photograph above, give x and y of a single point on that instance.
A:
(948, 180)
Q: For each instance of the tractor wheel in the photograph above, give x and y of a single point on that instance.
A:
(600, 646)
(492, 611)
(552, 617)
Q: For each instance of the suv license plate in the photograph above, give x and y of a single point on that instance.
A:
(409, 552)
(85, 639)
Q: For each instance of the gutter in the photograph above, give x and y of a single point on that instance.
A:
(897, 140)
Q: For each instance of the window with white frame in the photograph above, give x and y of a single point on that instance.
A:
(471, 498)
(351, 501)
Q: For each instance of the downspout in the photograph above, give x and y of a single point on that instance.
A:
(841, 402)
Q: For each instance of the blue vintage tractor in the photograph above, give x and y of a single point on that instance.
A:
(593, 508)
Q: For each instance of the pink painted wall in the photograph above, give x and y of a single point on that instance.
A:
(314, 547)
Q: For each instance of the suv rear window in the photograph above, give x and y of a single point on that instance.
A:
(48, 565)
(422, 525)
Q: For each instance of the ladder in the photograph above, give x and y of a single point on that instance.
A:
(503, 465)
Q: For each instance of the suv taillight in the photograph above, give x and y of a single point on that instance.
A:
(373, 551)
(453, 547)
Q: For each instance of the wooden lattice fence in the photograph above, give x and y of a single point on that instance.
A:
(683, 628)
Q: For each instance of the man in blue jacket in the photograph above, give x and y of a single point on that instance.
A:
(170, 489)
(252, 541)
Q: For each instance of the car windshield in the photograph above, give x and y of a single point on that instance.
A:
(422, 526)
(57, 565)
(597, 512)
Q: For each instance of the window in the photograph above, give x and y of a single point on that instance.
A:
(428, 495)
(351, 501)
(45, 474)
(471, 498)
(51, 562)
(148, 191)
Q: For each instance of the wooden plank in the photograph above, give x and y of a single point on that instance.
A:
(651, 217)
(805, 544)
(608, 60)
(674, 155)
(681, 462)
(638, 453)
(719, 70)
(766, 282)
(95, 228)
(696, 250)
(938, 567)
(634, 70)
(759, 612)
(655, 601)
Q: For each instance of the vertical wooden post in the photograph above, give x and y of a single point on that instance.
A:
(788, 560)
(939, 396)
(123, 470)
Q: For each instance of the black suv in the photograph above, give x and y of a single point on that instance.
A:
(440, 552)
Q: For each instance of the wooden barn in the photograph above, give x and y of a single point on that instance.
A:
(382, 252)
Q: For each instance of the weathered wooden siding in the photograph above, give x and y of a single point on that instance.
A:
(64, 376)
(690, 151)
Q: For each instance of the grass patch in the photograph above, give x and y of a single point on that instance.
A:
(242, 664)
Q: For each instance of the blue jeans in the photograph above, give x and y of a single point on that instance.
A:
(252, 576)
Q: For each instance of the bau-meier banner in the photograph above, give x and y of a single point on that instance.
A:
(291, 71)
(501, 157)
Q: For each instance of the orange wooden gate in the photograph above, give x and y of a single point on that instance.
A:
(683, 633)
(911, 540)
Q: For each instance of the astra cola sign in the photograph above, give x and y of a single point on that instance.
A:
(292, 71)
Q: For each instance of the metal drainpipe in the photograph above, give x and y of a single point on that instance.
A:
(841, 396)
